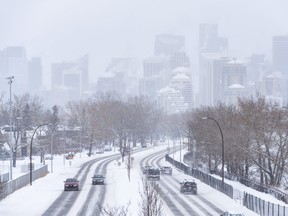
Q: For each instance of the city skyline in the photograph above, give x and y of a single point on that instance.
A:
(58, 31)
(65, 32)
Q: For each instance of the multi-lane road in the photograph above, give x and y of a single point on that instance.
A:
(122, 189)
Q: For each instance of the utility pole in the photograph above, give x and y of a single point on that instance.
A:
(51, 147)
(10, 78)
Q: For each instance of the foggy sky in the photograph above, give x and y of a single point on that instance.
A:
(58, 30)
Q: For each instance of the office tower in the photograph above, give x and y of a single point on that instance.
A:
(234, 81)
(34, 74)
(154, 75)
(211, 78)
(166, 44)
(179, 59)
(280, 54)
(171, 100)
(256, 66)
(233, 72)
(69, 80)
(154, 66)
(121, 76)
(112, 82)
(182, 81)
(14, 62)
(211, 57)
(280, 63)
(209, 41)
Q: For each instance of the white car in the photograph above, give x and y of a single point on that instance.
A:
(232, 213)
(107, 148)
(48, 156)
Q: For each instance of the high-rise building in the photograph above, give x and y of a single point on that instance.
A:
(14, 62)
(212, 50)
(179, 59)
(150, 85)
(171, 100)
(234, 82)
(112, 82)
(209, 41)
(121, 76)
(233, 72)
(256, 66)
(182, 81)
(154, 75)
(70, 78)
(35, 74)
(166, 44)
(154, 66)
(280, 54)
(211, 78)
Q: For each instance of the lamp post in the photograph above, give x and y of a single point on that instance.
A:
(10, 78)
(222, 142)
(51, 147)
(31, 142)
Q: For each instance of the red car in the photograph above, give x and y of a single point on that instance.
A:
(71, 184)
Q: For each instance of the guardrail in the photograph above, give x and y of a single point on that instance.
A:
(251, 202)
(11, 186)
(204, 177)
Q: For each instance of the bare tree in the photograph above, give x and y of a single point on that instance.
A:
(151, 204)
(26, 112)
(114, 211)
(255, 134)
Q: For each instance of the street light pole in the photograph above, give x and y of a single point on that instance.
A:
(31, 142)
(222, 142)
(10, 78)
(52, 136)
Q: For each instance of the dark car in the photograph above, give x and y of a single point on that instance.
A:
(98, 179)
(232, 213)
(145, 169)
(188, 186)
(71, 184)
(166, 170)
(70, 156)
(4, 155)
(153, 173)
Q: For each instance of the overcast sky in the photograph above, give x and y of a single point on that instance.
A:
(60, 30)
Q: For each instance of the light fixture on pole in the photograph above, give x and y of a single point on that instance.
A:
(31, 142)
(10, 78)
(222, 144)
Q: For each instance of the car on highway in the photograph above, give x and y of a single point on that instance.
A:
(167, 170)
(107, 148)
(145, 169)
(48, 157)
(188, 186)
(71, 184)
(98, 179)
(70, 155)
(153, 173)
(4, 155)
(232, 213)
(99, 151)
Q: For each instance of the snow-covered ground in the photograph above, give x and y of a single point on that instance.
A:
(35, 199)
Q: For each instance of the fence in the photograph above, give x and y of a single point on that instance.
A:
(251, 202)
(204, 177)
(263, 207)
(11, 186)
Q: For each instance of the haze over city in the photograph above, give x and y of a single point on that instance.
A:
(66, 30)
(199, 87)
